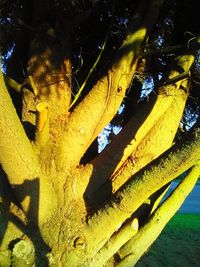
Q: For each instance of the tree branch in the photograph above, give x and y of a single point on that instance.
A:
(116, 242)
(192, 45)
(132, 251)
(104, 99)
(136, 190)
(13, 84)
(20, 163)
(178, 78)
(169, 50)
(147, 135)
(17, 156)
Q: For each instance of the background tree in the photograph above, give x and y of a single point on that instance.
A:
(73, 64)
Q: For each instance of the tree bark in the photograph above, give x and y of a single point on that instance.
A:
(132, 251)
(137, 189)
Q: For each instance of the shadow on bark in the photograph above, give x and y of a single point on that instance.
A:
(95, 199)
(30, 228)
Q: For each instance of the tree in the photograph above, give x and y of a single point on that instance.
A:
(55, 209)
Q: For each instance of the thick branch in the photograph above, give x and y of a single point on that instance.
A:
(132, 194)
(147, 135)
(101, 104)
(17, 156)
(138, 245)
(116, 242)
(21, 164)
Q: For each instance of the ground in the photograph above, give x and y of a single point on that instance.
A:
(177, 246)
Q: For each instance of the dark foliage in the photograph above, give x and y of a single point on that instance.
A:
(21, 21)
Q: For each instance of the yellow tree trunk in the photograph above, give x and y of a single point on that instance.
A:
(44, 216)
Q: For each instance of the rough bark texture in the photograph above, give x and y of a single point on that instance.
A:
(55, 211)
(131, 252)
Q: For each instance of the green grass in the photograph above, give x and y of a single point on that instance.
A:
(178, 244)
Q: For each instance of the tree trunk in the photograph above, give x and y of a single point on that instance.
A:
(57, 211)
